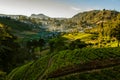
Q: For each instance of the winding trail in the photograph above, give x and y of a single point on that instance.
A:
(91, 66)
(44, 73)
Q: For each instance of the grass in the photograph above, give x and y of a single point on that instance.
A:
(18, 73)
(65, 60)
(88, 39)
(111, 73)
(30, 71)
(82, 36)
(2, 75)
(69, 58)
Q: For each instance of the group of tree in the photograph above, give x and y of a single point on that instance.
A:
(107, 29)
(31, 45)
(15, 25)
(58, 44)
(115, 32)
(11, 52)
(8, 49)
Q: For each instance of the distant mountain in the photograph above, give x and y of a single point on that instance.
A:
(95, 16)
(40, 16)
(13, 16)
(2, 15)
(78, 22)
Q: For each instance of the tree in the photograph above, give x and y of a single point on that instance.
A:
(32, 45)
(115, 32)
(77, 44)
(57, 44)
(41, 43)
(8, 49)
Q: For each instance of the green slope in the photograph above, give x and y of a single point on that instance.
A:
(15, 24)
(111, 73)
(72, 65)
(30, 71)
(95, 16)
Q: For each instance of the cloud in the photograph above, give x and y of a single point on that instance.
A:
(86, 8)
(75, 8)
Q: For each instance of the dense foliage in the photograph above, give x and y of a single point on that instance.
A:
(30, 71)
(15, 24)
(69, 58)
(8, 49)
(65, 60)
(103, 74)
(81, 56)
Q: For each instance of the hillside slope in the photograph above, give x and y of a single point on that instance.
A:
(15, 24)
(96, 16)
(78, 22)
(40, 16)
(79, 64)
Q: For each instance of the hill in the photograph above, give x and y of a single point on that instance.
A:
(66, 59)
(76, 65)
(95, 16)
(103, 14)
(15, 24)
(40, 16)
(77, 23)
(83, 20)
(20, 26)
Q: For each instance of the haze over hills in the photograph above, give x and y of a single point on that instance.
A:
(40, 16)
(77, 22)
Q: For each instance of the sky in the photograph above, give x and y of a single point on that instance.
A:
(55, 8)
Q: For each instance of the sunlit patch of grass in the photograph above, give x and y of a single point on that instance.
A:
(82, 36)
(114, 44)
(88, 39)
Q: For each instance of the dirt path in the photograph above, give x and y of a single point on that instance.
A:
(44, 74)
(91, 66)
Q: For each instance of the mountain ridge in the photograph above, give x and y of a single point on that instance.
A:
(40, 16)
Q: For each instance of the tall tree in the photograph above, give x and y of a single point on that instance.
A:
(115, 32)
(8, 49)
(77, 44)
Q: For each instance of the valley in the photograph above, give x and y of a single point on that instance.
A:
(38, 47)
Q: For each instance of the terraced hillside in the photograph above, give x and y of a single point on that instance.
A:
(78, 64)
(15, 24)
(97, 61)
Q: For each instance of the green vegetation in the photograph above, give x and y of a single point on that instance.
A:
(82, 36)
(57, 44)
(64, 61)
(20, 71)
(30, 71)
(102, 74)
(85, 47)
(2, 75)
(70, 58)
(115, 32)
(8, 49)
(15, 25)
(12, 54)
(91, 18)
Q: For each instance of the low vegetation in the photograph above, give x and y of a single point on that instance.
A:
(89, 50)
(71, 62)
(30, 71)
